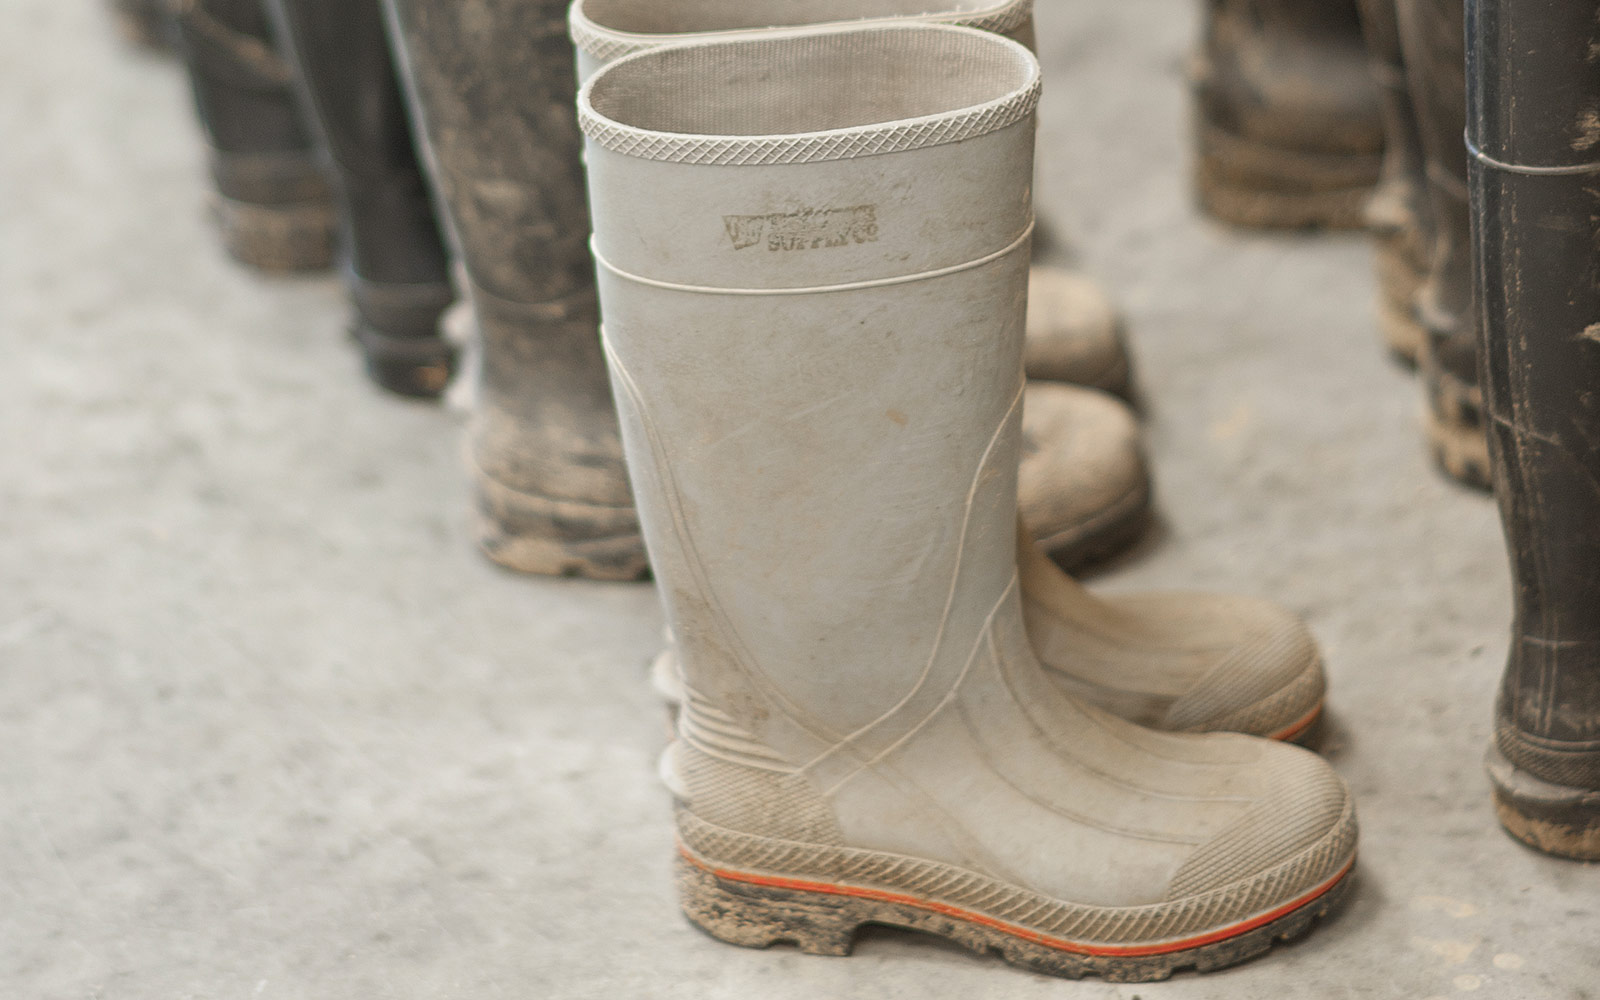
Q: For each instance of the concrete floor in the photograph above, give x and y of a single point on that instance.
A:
(273, 729)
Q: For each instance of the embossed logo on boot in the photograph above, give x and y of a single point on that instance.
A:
(807, 229)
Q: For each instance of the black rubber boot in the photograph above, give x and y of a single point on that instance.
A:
(1534, 90)
(1435, 65)
(494, 89)
(146, 23)
(272, 199)
(1398, 215)
(1287, 114)
(395, 263)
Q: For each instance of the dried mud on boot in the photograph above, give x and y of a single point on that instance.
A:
(758, 911)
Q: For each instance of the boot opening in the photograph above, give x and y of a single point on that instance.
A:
(659, 17)
(791, 84)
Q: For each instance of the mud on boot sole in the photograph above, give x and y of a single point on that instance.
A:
(1398, 283)
(1456, 434)
(1248, 184)
(277, 239)
(419, 366)
(1555, 819)
(549, 537)
(1402, 334)
(756, 911)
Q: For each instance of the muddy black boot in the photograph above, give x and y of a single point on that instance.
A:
(1287, 114)
(146, 23)
(1397, 215)
(394, 260)
(494, 88)
(1431, 31)
(1531, 108)
(272, 201)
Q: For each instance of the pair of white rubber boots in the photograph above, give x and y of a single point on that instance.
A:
(812, 247)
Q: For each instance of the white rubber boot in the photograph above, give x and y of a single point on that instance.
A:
(812, 257)
(1074, 331)
(1084, 485)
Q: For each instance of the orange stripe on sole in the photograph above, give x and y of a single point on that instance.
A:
(1296, 728)
(1015, 930)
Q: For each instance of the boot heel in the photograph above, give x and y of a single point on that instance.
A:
(1555, 819)
(1247, 184)
(757, 916)
(277, 238)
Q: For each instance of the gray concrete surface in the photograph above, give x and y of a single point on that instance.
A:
(272, 729)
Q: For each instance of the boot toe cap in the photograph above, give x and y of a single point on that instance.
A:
(1297, 836)
(1083, 468)
(1073, 332)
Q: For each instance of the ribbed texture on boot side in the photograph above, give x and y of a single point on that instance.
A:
(1272, 655)
(756, 801)
(611, 29)
(829, 96)
(1306, 800)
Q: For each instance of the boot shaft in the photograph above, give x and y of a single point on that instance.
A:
(493, 83)
(864, 314)
(243, 87)
(1533, 88)
(348, 85)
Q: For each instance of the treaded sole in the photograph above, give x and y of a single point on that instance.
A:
(1556, 819)
(277, 239)
(1402, 334)
(1245, 183)
(1399, 278)
(532, 534)
(758, 910)
(1460, 449)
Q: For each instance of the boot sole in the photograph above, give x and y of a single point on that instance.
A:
(1556, 819)
(397, 328)
(1402, 334)
(1460, 448)
(277, 239)
(1107, 534)
(548, 537)
(1246, 183)
(1398, 282)
(419, 367)
(757, 910)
